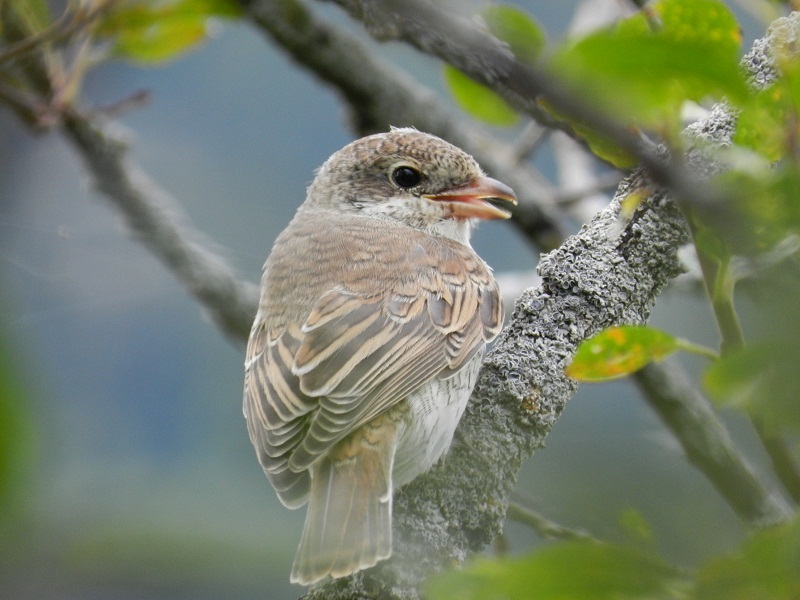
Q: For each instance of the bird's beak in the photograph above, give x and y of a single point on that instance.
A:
(470, 201)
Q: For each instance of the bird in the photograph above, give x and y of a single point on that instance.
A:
(373, 319)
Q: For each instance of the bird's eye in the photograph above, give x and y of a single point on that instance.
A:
(406, 177)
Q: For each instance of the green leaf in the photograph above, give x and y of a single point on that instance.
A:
(619, 351)
(518, 29)
(150, 31)
(764, 124)
(568, 571)
(635, 526)
(759, 379)
(478, 100)
(762, 210)
(643, 72)
(767, 567)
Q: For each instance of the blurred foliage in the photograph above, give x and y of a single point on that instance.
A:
(515, 27)
(643, 71)
(32, 16)
(16, 437)
(150, 32)
(478, 100)
(86, 34)
(525, 39)
(564, 571)
(764, 568)
(761, 377)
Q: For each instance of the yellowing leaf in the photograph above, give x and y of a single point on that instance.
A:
(619, 351)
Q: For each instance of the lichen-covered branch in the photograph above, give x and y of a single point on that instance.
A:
(610, 273)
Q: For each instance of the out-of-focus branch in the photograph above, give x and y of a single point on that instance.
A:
(608, 274)
(707, 444)
(544, 527)
(719, 277)
(154, 217)
(150, 212)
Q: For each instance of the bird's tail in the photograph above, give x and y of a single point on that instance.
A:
(349, 521)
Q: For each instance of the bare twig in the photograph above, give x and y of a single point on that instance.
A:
(544, 527)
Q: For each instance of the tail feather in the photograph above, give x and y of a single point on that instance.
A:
(349, 522)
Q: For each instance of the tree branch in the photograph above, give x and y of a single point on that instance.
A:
(707, 444)
(157, 220)
(608, 274)
(544, 527)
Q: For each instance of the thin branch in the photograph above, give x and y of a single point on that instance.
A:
(157, 220)
(708, 445)
(608, 274)
(544, 527)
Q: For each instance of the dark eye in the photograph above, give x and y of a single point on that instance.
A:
(406, 177)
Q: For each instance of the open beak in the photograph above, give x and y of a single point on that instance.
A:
(470, 201)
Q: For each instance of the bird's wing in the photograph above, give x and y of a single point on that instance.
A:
(358, 353)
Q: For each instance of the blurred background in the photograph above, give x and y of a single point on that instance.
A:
(132, 473)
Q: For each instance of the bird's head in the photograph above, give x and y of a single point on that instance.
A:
(412, 177)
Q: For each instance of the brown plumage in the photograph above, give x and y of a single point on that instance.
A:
(373, 320)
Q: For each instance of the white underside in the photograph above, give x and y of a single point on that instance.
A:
(437, 408)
